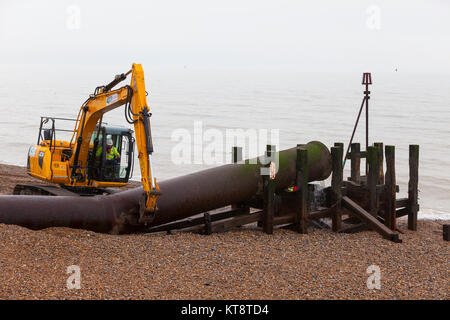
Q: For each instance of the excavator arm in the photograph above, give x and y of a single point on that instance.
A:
(141, 119)
(136, 112)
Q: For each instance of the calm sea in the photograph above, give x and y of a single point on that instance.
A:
(404, 109)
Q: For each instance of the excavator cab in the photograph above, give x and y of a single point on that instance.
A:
(111, 163)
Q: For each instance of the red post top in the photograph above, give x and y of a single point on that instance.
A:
(367, 78)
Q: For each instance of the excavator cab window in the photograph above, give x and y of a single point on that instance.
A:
(111, 163)
(48, 134)
(124, 160)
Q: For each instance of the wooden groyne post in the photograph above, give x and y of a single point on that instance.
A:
(302, 190)
(372, 179)
(269, 194)
(390, 189)
(355, 163)
(336, 185)
(413, 189)
(379, 146)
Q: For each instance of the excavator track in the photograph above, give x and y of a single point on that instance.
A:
(42, 190)
(52, 190)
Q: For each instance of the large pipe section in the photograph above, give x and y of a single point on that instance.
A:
(181, 197)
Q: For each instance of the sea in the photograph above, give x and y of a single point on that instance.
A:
(190, 106)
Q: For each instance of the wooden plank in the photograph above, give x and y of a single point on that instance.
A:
(390, 190)
(379, 146)
(229, 224)
(354, 228)
(370, 220)
(283, 220)
(355, 163)
(402, 203)
(326, 213)
(401, 212)
(336, 186)
(362, 154)
(358, 193)
(190, 222)
(413, 186)
(269, 196)
(207, 218)
(302, 190)
(372, 157)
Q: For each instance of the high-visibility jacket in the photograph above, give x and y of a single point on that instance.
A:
(109, 155)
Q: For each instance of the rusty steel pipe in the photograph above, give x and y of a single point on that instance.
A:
(181, 197)
(97, 213)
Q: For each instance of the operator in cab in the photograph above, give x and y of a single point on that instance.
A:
(111, 152)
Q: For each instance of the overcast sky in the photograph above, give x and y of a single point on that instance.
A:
(286, 35)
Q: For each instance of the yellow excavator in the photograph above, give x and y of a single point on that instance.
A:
(98, 157)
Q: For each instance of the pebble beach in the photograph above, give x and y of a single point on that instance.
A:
(241, 264)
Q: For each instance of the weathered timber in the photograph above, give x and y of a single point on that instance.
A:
(351, 219)
(372, 181)
(413, 191)
(190, 222)
(446, 232)
(362, 154)
(229, 224)
(355, 157)
(325, 213)
(269, 195)
(284, 220)
(401, 203)
(390, 193)
(361, 193)
(354, 228)
(336, 186)
(207, 219)
(379, 146)
(401, 212)
(370, 220)
(353, 187)
(302, 190)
